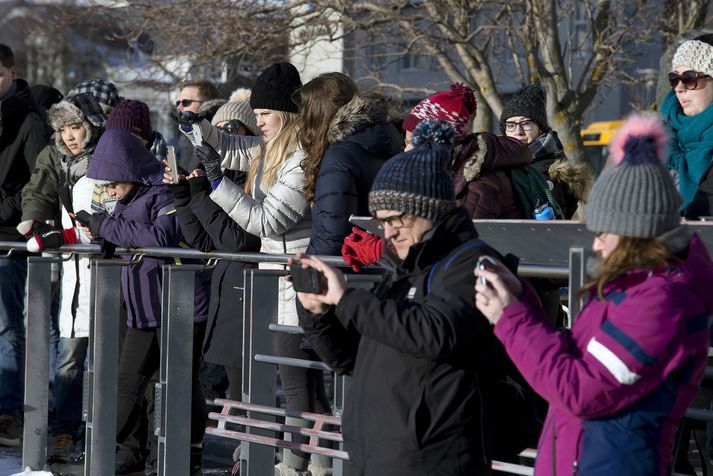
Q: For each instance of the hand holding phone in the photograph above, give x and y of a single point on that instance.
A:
(307, 280)
(482, 265)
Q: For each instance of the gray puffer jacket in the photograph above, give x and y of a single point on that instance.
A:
(280, 216)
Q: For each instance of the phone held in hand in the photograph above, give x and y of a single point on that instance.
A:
(481, 265)
(197, 134)
(307, 280)
(171, 156)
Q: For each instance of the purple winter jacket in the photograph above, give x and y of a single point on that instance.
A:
(620, 383)
(147, 220)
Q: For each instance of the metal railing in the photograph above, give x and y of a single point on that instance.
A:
(173, 391)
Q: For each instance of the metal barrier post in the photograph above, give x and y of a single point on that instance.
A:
(100, 379)
(261, 301)
(173, 392)
(37, 343)
(577, 279)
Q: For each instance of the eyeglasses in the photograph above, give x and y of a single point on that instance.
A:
(231, 127)
(395, 221)
(526, 126)
(689, 79)
(186, 102)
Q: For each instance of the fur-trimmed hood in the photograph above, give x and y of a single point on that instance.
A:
(577, 177)
(362, 111)
(82, 109)
(480, 152)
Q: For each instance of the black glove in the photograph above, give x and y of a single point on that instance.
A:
(188, 118)
(91, 221)
(199, 186)
(210, 160)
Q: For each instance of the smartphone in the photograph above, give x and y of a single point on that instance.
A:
(197, 134)
(307, 280)
(481, 265)
(171, 156)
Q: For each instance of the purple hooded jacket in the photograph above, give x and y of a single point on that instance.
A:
(147, 220)
(620, 383)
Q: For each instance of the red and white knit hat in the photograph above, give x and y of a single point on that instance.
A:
(456, 106)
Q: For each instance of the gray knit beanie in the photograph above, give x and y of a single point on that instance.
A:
(418, 182)
(238, 107)
(636, 196)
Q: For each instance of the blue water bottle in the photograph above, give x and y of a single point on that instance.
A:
(545, 212)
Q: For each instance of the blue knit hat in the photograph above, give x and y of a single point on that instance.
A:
(418, 182)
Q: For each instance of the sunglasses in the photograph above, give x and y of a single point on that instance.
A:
(231, 127)
(689, 79)
(185, 102)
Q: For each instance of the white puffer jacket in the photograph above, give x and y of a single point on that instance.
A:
(282, 219)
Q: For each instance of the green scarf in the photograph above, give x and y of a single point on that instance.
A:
(691, 146)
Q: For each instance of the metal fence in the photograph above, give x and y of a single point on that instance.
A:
(545, 250)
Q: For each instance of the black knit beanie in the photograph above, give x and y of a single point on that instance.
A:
(274, 88)
(528, 101)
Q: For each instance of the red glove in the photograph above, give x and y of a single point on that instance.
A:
(52, 239)
(361, 248)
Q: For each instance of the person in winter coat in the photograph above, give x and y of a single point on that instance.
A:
(524, 118)
(78, 123)
(207, 227)
(346, 137)
(144, 216)
(273, 206)
(39, 197)
(23, 134)
(620, 383)
(480, 162)
(688, 111)
(418, 357)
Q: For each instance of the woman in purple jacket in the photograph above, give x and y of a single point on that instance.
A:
(144, 216)
(620, 383)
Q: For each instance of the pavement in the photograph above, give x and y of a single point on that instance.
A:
(217, 460)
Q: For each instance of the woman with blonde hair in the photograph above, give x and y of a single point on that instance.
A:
(273, 207)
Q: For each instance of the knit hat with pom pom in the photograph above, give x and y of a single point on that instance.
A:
(635, 196)
(238, 107)
(418, 182)
(456, 106)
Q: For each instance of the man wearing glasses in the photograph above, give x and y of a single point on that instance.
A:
(194, 93)
(420, 356)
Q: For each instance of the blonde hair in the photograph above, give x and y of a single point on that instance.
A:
(275, 152)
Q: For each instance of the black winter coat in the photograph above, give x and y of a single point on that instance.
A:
(23, 134)
(361, 140)
(207, 227)
(420, 360)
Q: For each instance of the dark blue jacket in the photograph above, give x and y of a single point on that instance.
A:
(144, 219)
(361, 141)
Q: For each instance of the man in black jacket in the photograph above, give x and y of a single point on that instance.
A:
(415, 346)
(23, 134)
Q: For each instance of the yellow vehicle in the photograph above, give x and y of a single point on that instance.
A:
(596, 137)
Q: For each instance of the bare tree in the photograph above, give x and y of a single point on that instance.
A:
(573, 47)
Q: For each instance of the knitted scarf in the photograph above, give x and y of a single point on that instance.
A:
(691, 147)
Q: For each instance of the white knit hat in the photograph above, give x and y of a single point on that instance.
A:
(694, 54)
